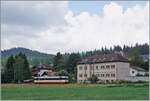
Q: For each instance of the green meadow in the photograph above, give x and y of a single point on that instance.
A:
(75, 91)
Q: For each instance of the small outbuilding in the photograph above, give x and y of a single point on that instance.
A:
(137, 71)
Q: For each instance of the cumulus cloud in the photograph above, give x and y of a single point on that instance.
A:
(87, 32)
(24, 19)
(34, 14)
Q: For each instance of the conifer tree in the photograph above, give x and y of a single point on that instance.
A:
(9, 71)
(18, 70)
(59, 62)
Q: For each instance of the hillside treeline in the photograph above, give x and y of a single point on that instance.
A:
(65, 64)
(17, 69)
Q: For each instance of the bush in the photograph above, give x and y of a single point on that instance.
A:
(72, 78)
(63, 73)
(140, 81)
(122, 81)
(93, 79)
(146, 74)
(139, 74)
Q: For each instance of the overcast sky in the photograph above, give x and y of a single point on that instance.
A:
(50, 27)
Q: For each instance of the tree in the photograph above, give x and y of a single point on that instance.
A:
(72, 78)
(35, 61)
(63, 73)
(9, 71)
(18, 70)
(93, 79)
(21, 68)
(102, 50)
(3, 76)
(135, 58)
(117, 48)
(26, 69)
(111, 50)
(145, 65)
(59, 62)
(71, 66)
(72, 62)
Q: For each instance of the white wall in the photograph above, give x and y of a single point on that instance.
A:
(122, 70)
(140, 78)
(91, 69)
(83, 72)
(134, 72)
(105, 71)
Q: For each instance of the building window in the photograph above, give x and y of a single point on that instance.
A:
(80, 75)
(132, 72)
(107, 81)
(102, 67)
(107, 75)
(102, 75)
(112, 75)
(97, 67)
(107, 66)
(80, 68)
(97, 75)
(85, 68)
(112, 66)
(85, 75)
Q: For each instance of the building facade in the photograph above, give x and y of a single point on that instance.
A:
(137, 71)
(107, 68)
(44, 74)
(42, 70)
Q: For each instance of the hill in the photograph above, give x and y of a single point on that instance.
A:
(34, 57)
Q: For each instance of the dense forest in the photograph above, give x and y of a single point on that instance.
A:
(65, 63)
(17, 69)
(34, 57)
(141, 49)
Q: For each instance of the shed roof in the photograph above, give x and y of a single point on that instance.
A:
(138, 68)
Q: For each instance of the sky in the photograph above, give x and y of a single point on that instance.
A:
(73, 26)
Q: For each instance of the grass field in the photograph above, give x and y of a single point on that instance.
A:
(75, 92)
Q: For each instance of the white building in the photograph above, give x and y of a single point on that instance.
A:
(45, 74)
(107, 67)
(137, 71)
